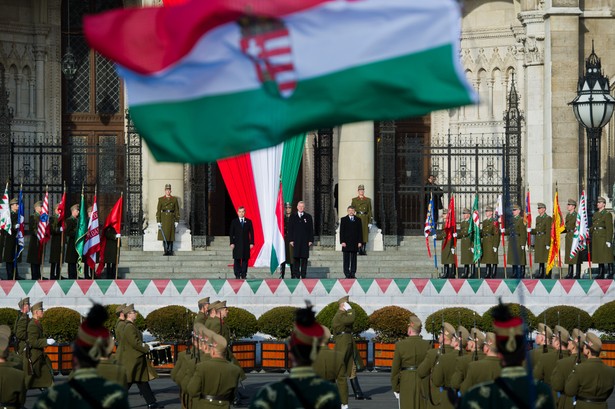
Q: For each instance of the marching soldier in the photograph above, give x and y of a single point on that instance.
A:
(602, 235)
(565, 366)
(187, 362)
(571, 222)
(516, 243)
(541, 344)
(330, 366)
(21, 325)
(288, 211)
(467, 256)
(202, 315)
(72, 256)
(118, 331)
(409, 353)
(437, 397)
(474, 349)
(55, 244)
(13, 380)
(483, 370)
(448, 251)
(38, 361)
(511, 388)
(10, 244)
(167, 216)
(542, 243)
(342, 327)
(546, 362)
(591, 382)
(363, 206)
(490, 243)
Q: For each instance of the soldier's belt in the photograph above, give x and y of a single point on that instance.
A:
(598, 228)
(361, 212)
(591, 400)
(217, 398)
(167, 211)
(409, 368)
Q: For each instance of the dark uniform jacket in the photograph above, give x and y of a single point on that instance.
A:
(134, 355)
(242, 237)
(213, 384)
(111, 246)
(119, 332)
(55, 244)
(409, 353)
(341, 328)
(601, 234)
(571, 222)
(442, 375)
(71, 236)
(288, 247)
(112, 372)
(35, 254)
(467, 257)
(167, 214)
(13, 382)
(350, 233)
(542, 232)
(461, 367)
(42, 376)
(330, 366)
(591, 380)
(435, 396)
(486, 369)
(10, 241)
(301, 232)
(563, 369)
(363, 207)
(21, 331)
(490, 239)
(517, 240)
(546, 364)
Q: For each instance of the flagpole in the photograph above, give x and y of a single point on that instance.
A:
(117, 252)
(62, 232)
(93, 273)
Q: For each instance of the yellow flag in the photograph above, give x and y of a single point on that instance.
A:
(557, 228)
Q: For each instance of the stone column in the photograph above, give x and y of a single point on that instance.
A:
(39, 57)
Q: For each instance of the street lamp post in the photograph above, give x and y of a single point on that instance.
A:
(593, 108)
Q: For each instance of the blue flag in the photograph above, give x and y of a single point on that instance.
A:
(20, 227)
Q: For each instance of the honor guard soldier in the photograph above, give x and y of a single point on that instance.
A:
(448, 251)
(517, 242)
(288, 211)
(303, 388)
(342, 327)
(512, 389)
(490, 242)
(363, 206)
(330, 366)
(12, 380)
(10, 245)
(542, 242)
(542, 344)
(437, 397)
(86, 386)
(571, 222)
(546, 362)
(21, 325)
(602, 236)
(409, 353)
(40, 374)
(167, 217)
(71, 232)
(202, 315)
(467, 256)
(55, 244)
(591, 382)
(485, 369)
(564, 368)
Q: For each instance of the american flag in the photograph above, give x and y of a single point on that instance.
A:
(42, 232)
(430, 224)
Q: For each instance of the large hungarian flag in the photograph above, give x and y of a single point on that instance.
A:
(236, 76)
(91, 246)
(557, 228)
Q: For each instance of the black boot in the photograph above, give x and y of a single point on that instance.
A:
(488, 271)
(494, 270)
(472, 271)
(356, 389)
(170, 249)
(544, 271)
(444, 271)
(577, 276)
(282, 269)
(570, 272)
(522, 272)
(610, 270)
(465, 271)
(601, 272)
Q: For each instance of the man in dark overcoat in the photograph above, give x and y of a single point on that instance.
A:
(241, 235)
(301, 231)
(55, 244)
(351, 239)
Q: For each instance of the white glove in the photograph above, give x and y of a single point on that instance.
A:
(529, 230)
(396, 394)
(608, 244)
(495, 249)
(176, 224)
(347, 306)
(548, 247)
(453, 251)
(455, 235)
(61, 228)
(369, 226)
(472, 250)
(522, 247)
(502, 230)
(117, 236)
(159, 225)
(51, 341)
(344, 406)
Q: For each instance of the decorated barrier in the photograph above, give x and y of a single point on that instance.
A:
(422, 296)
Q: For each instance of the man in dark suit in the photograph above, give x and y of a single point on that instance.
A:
(301, 231)
(241, 235)
(351, 237)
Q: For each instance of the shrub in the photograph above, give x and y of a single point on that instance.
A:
(112, 320)
(172, 323)
(361, 321)
(242, 323)
(604, 319)
(454, 315)
(61, 324)
(278, 322)
(569, 317)
(8, 316)
(390, 323)
(516, 309)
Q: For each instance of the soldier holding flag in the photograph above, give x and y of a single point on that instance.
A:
(570, 223)
(490, 243)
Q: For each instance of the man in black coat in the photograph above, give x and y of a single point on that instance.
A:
(351, 237)
(301, 232)
(241, 235)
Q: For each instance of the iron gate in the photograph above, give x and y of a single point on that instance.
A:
(324, 216)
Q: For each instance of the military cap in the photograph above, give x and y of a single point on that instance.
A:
(415, 322)
(23, 302)
(477, 336)
(489, 208)
(204, 301)
(4, 343)
(212, 305)
(541, 330)
(490, 340)
(5, 330)
(288, 205)
(167, 186)
(220, 305)
(219, 343)
(593, 342)
(37, 306)
(361, 187)
(14, 201)
(462, 334)
(129, 308)
(572, 202)
(559, 330)
(74, 207)
(38, 204)
(120, 308)
(449, 330)
(516, 207)
(344, 299)
(574, 337)
(306, 331)
(541, 205)
(601, 199)
(466, 210)
(92, 334)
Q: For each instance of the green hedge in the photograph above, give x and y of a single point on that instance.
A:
(278, 322)
(361, 321)
(516, 309)
(604, 319)
(569, 317)
(453, 315)
(172, 323)
(242, 323)
(8, 316)
(390, 323)
(61, 324)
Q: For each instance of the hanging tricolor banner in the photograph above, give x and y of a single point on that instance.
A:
(5, 211)
(91, 246)
(258, 72)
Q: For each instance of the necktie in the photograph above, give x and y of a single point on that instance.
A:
(242, 221)
(300, 214)
(351, 219)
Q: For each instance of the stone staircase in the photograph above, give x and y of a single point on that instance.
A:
(408, 260)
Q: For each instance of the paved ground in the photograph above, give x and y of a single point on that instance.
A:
(375, 384)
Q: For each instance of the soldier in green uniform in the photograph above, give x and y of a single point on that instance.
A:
(86, 385)
(467, 256)
(10, 244)
(134, 359)
(485, 369)
(571, 221)
(187, 361)
(517, 241)
(303, 388)
(55, 244)
(342, 329)
(542, 344)
(490, 242)
(118, 330)
(409, 353)
(21, 326)
(330, 366)
(565, 366)
(601, 239)
(12, 380)
(546, 362)
(512, 388)
(71, 232)
(288, 211)
(35, 255)
(42, 375)
(111, 251)
(542, 241)
(167, 217)
(443, 372)
(202, 315)
(447, 257)
(474, 351)
(438, 397)
(363, 206)
(591, 382)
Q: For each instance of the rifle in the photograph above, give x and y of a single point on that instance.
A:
(578, 340)
(545, 349)
(28, 351)
(559, 336)
(475, 357)
(460, 334)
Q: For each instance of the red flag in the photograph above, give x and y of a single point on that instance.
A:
(450, 224)
(114, 219)
(62, 211)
